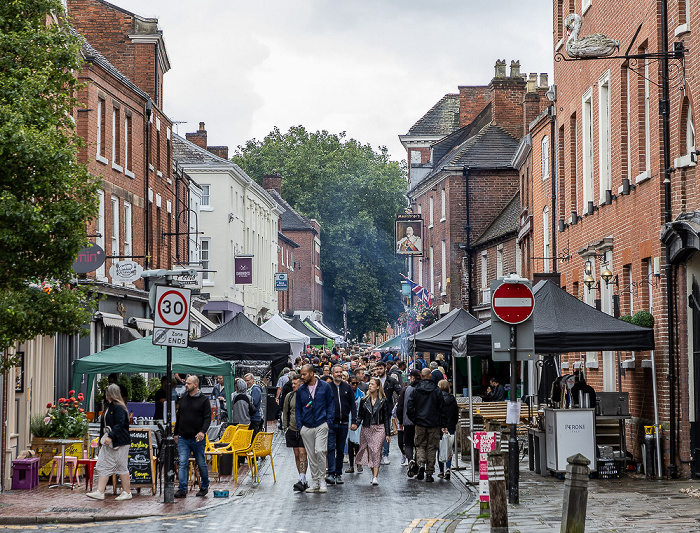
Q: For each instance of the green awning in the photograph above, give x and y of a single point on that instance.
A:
(392, 344)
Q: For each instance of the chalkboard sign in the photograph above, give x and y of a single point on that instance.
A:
(141, 458)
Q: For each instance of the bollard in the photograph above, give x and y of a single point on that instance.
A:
(497, 493)
(573, 519)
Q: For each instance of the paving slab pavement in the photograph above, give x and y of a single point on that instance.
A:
(631, 503)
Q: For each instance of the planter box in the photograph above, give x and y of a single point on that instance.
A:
(46, 451)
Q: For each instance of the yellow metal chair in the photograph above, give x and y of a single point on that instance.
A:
(222, 445)
(241, 443)
(262, 447)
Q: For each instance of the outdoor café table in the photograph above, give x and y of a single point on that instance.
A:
(63, 443)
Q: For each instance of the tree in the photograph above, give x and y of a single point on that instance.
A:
(354, 192)
(46, 196)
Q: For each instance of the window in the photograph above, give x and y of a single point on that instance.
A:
(443, 278)
(128, 146)
(545, 238)
(646, 121)
(625, 102)
(116, 138)
(115, 225)
(430, 211)
(127, 230)
(205, 196)
(499, 261)
(101, 130)
(545, 157)
(587, 131)
(689, 131)
(484, 271)
(604, 134)
(432, 271)
(650, 285)
(100, 230)
(204, 256)
(443, 205)
(573, 147)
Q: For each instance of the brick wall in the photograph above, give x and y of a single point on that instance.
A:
(472, 101)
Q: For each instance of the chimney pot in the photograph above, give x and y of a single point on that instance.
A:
(515, 69)
(544, 80)
(500, 68)
(201, 126)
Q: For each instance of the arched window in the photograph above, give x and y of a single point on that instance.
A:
(545, 158)
(689, 131)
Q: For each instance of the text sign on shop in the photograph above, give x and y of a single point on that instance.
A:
(172, 316)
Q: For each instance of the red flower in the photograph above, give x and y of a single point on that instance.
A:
(81, 410)
(76, 404)
(48, 405)
(71, 392)
(64, 412)
(72, 399)
(81, 397)
(53, 405)
(61, 400)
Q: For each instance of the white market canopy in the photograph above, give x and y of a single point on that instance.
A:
(327, 331)
(278, 327)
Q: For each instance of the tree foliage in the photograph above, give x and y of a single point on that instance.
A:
(46, 196)
(354, 192)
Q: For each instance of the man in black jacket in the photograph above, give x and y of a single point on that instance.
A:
(193, 419)
(345, 411)
(391, 387)
(426, 409)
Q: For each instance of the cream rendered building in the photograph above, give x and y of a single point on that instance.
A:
(238, 218)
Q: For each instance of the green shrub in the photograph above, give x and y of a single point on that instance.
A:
(100, 392)
(153, 386)
(126, 382)
(643, 318)
(38, 426)
(626, 318)
(139, 388)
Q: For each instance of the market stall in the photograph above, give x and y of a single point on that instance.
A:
(279, 328)
(317, 340)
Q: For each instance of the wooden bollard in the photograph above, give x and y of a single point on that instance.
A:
(498, 499)
(573, 519)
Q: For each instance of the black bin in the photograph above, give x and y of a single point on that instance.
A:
(272, 407)
(225, 463)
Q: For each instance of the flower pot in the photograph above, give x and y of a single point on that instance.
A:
(46, 451)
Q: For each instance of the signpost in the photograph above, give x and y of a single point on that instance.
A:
(171, 305)
(512, 305)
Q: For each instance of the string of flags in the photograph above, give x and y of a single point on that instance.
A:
(420, 291)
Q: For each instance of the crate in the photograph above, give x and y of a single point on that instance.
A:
(608, 469)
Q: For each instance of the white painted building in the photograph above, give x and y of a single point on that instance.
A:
(237, 218)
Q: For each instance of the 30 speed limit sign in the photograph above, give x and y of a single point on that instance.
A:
(172, 316)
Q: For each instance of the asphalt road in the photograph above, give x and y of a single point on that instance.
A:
(275, 507)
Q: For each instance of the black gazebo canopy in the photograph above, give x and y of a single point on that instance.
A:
(437, 337)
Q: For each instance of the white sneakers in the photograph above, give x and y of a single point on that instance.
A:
(322, 488)
(97, 495)
(385, 460)
(404, 461)
(375, 481)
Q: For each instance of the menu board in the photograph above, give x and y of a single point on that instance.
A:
(141, 458)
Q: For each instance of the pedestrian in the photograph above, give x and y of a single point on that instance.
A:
(496, 392)
(314, 415)
(391, 387)
(116, 441)
(361, 381)
(375, 417)
(426, 409)
(193, 420)
(406, 424)
(354, 435)
(291, 432)
(255, 393)
(451, 418)
(219, 394)
(241, 405)
(159, 400)
(345, 413)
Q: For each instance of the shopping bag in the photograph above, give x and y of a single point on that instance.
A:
(445, 449)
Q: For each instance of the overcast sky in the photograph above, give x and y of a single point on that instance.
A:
(370, 68)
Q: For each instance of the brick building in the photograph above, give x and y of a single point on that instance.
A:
(610, 208)
(461, 178)
(304, 261)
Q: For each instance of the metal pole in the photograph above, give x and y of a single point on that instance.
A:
(454, 391)
(169, 442)
(513, 473)
(471, 415)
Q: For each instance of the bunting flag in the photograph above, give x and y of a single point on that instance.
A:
(420, 291)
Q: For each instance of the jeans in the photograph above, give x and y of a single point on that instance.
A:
(337, 435)
(184, 447)
(385, 450)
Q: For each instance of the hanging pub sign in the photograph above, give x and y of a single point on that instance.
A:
(89, 259)
(125, 271)
(243, 270)
(409, 234)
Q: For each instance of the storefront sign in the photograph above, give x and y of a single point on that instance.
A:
(125, 271)
(89, 259)
(243, 270)
(281, 281)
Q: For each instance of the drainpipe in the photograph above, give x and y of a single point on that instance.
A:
(670, 288)
(468, 247)
(147, 225)
(553, 174)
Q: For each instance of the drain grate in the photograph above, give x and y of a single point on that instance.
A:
(70, 510)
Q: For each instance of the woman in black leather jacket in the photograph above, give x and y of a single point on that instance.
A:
(375, 417)
(114, 452)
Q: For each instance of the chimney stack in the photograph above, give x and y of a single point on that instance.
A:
(515, 69)
(507, 98)
(272, 182)
(500, 68)
(199, 137)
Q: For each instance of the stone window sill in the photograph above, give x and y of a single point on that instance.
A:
(644, 176)
(129, 174)
(682, 29)
(685, 161)
(101, 159)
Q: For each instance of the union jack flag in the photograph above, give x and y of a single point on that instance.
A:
(420, 291)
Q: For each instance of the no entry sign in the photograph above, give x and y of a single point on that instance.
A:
(513, 303)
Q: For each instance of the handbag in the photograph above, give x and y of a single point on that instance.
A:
(104, 437)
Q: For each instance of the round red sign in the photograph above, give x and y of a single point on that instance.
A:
(513, 303)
